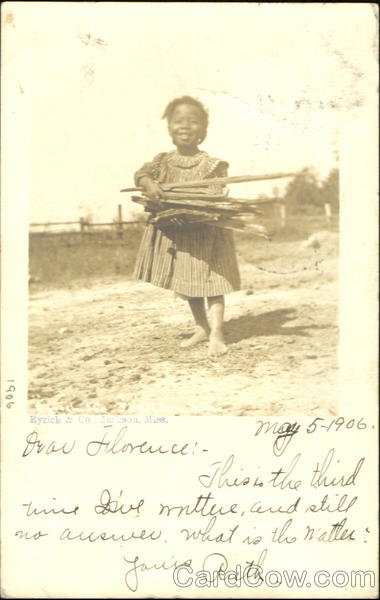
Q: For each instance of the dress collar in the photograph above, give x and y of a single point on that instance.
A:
(183, 161)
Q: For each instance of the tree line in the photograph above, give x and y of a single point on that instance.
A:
(306, 195)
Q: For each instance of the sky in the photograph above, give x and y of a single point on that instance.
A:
(93, 79)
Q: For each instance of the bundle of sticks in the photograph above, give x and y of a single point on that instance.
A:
(207, 201)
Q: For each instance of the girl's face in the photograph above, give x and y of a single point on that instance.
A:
(186, 127)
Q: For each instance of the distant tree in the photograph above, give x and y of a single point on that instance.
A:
(303, 194)
(330, 190)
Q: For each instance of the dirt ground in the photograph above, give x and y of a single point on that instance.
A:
(112, 346)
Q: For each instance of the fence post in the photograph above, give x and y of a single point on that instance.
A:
(282, 210)
(81, 225)
(328, 213)
(119, 221)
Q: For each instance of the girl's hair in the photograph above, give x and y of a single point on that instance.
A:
(187, 100)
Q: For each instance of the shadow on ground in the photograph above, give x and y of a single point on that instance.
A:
(268, 323)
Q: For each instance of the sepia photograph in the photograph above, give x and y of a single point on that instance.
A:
(146, 281)
(189, 231)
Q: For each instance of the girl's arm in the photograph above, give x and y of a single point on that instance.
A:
(151, 188)
(147, 176)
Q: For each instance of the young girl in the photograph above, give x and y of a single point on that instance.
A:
(196, 261)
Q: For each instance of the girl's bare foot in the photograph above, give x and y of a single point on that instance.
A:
(200, 335)
(216, 311)
(216, 346)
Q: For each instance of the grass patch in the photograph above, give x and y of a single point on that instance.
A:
(66, 260)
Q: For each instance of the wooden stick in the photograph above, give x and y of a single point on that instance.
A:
(219, 180)
(230, 205)
(187, 193)
(241, 226)
(220, 200)
(226, 222)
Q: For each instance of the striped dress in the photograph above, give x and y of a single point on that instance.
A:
(195, 260)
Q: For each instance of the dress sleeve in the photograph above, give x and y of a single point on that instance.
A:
(218, 168)
(150, 169)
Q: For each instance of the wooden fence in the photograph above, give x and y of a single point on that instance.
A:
(82, 226)
(119, 226)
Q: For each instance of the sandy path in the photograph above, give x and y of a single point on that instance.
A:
(115, 348)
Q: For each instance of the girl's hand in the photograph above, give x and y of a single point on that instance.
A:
(152, 189)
